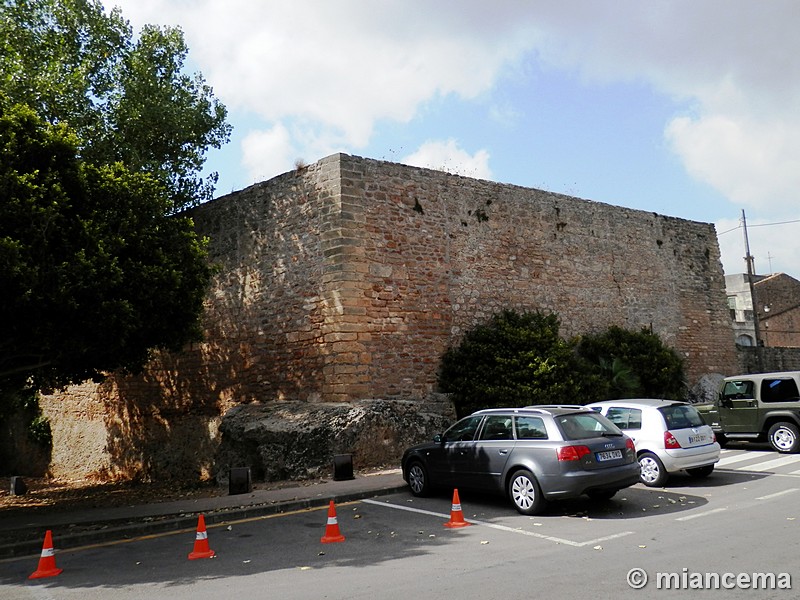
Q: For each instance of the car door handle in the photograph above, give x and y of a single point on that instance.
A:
(503, 451)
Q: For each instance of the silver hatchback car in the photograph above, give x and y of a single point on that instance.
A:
(531, 455)
(670, 436)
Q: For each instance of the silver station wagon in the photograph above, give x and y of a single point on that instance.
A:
(531, 455)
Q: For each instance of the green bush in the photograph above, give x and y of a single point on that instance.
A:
(24, 402)
(635, 364)
(514, 360)
(520, 359)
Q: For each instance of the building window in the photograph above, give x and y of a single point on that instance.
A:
(732, 307)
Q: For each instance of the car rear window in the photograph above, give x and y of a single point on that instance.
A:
(530, 428)
(585, 425)
(779, 390)
(681, 416)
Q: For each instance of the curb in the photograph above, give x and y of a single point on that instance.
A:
(127, 529)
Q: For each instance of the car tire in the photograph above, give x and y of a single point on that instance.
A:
(722, 440)
(784, 437)
(418, 479)
(700, 472)
(601, 495)
(652, 472)
(525, 493)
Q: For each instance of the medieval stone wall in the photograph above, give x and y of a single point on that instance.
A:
(349, 278)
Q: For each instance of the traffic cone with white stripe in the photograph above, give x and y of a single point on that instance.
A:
(47, 562)
(201, 549)
(332, 533)
(456, 515)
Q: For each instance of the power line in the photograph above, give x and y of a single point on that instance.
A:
(739, 226)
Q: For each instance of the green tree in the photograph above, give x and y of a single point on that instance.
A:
(634, 363)
(127, 98)
(94, 272)
(514, 360)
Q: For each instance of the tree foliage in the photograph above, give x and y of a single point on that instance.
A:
(520, 359)
(127, 98)
(635, 363)
(94, 272)
(514, 360)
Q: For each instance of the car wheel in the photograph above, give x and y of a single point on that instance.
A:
(784, 437)
(418, 479)
(652, 472)
(525, 493)
(602, 494)
(700, 472)
(722, 440)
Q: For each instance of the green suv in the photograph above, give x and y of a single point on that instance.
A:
(758, 407)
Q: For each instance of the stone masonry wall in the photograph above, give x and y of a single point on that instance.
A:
(442, 253)
(348, 279)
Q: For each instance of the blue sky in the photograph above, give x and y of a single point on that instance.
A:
(684, 108)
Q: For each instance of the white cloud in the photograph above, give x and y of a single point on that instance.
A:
(319, 75)
(340, 66)
(266, 153)
(753, 163)
(448, 156)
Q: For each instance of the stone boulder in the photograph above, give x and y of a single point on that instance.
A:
(706, 389)
(297, 440)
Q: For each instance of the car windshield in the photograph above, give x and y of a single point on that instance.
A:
(681, 416)
(585, 425)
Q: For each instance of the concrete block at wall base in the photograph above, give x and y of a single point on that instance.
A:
(298, 440)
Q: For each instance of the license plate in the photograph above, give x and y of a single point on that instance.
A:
(610, 455)
(694, 439)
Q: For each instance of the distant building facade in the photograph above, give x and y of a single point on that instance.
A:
(766, 313)
(778, 310)
(740, 306)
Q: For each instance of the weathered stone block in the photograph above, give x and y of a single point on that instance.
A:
(298, 440)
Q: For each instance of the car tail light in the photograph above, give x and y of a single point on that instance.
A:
(669, 441)
(572, 452)
(629, 445)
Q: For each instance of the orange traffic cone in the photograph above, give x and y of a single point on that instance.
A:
(47, 562)
(201, 549)
(456, 516)
(332, 533)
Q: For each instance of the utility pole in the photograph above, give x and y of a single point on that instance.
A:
(749, 259)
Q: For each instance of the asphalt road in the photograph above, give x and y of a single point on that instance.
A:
(744, 519)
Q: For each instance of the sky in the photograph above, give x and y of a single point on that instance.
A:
(684, 108)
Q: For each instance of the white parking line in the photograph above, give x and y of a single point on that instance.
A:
(702, 514)
(771, 464)
(776, 494)
(729, 460)
(502, 527)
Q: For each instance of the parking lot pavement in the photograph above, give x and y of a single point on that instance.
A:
(21, 534)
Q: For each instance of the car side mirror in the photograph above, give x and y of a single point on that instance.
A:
(438, 439)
